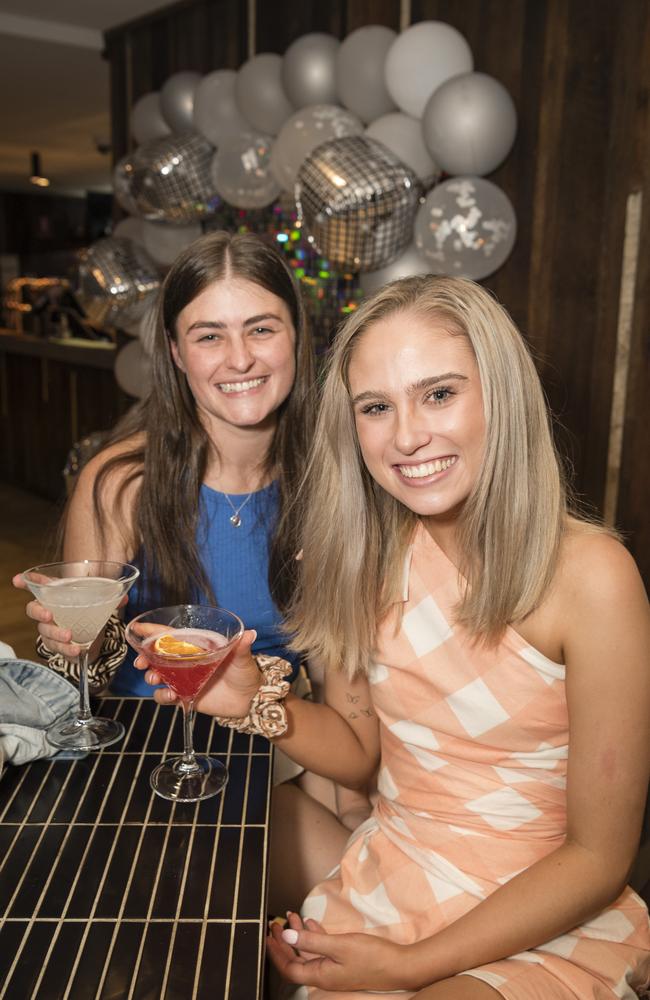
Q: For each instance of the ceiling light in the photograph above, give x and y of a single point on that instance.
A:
(36, 175)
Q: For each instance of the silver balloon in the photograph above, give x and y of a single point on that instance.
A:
(116, 280)
(177, 100)
(466, 227)
(421, 59)
(147, 120)
(403, 135)
(241, 171)
(169, 180)
(357, 201)
(469, 124)
(360, 72)
(216, 114)
(133, 370)
(302, 132)
(409, 263)
(163, 242)
(260, 95)
(309, 70)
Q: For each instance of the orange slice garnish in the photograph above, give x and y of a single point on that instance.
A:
(169, 645)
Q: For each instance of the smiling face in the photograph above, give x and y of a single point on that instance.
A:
(235, 342)
(418, 409)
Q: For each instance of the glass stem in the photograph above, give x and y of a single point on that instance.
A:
(188, 760)
(85, 715)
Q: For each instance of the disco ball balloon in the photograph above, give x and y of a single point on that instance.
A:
(303, 132)
(466, 227)
(123, 175)
(357, 201)
(116, 281)
(241, 171)
(168, 180)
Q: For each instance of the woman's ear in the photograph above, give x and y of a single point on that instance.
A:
(173, 346)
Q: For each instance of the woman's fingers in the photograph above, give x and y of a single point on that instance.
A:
(164, 696)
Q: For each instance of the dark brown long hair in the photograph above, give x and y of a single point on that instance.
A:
(171, 460)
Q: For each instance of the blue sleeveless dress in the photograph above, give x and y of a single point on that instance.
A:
(236, 561)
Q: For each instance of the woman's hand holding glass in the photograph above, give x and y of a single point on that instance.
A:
(228, 692)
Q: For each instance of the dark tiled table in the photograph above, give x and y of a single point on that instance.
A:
(108, 891)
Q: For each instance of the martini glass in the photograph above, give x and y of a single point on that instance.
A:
(82, 596)
(185, 644)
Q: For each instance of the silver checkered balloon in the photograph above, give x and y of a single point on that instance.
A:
(116, 281)
(168, 180)
(357, 201)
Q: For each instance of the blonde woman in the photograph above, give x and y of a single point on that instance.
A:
(488, 650)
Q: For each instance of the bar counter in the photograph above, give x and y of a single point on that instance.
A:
(107, 890)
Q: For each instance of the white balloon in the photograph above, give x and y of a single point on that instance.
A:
(133, 370)
(147, 120)
(469, 124)
(303, 132)
(216, 114)
(261, 98)
(409, 263)
(403, 134)
(241, 171)
(360, 72)
(421, 59)
(164, 242)
(466, 227)
(130, 229)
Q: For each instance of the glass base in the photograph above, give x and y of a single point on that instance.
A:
(173, 780)
(88, 734)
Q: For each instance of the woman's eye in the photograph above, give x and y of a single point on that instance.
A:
(208, 338)
(261, 330)
(375, 408)
(440, 395)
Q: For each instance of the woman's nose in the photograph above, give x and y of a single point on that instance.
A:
(239, 356)
(410, 433)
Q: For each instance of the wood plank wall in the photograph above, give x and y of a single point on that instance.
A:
(579, 73)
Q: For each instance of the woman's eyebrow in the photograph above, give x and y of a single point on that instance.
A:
(413, 389)
(215, 324)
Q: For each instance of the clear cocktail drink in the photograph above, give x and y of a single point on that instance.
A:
(82, 605)
(82, 596)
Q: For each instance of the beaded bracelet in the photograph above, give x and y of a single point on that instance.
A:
(103, 668)
(267, 716)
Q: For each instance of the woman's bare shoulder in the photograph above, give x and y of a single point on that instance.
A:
(595, 569)
(130, 447)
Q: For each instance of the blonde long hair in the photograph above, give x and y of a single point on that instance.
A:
(355, 535)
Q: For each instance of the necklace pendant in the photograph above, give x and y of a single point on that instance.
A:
(235, 520)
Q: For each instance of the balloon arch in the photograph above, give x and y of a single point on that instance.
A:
(365, 159)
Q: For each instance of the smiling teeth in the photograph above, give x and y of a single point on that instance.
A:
(240, 386)
(427, 468)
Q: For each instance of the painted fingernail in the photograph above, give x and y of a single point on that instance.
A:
(290, 936)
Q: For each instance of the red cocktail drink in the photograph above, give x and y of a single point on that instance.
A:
(186, 672)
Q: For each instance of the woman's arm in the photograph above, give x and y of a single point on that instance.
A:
(338, 739)
(602, 612)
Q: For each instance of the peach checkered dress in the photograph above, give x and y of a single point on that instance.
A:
(471, 791)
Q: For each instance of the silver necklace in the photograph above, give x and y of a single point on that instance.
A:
(234, 518)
